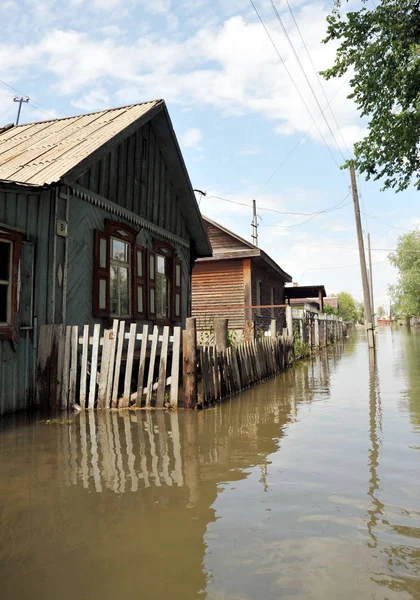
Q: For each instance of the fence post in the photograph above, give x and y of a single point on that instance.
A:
(189, 362)
(249, 331)
(221, 334)
(273, 329)
(289, 320)
(316, 331)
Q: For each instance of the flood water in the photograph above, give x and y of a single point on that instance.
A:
(305, 487)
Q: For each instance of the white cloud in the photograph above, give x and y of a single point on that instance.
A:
(230, 66)
(192, 138)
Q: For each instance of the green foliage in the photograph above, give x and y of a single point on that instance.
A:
(360, 311)
(380, 47)
(406, 294)
(381, 311)
(347, 307)
(329, 310)
(300, 348)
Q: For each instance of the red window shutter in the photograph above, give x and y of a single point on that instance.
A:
(101, 275)
(177, 291)
(139, 281)
(151, 285)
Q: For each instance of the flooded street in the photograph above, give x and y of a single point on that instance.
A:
(304, 487)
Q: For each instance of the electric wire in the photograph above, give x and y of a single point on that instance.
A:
(280, 212)
(318, 77)
(280, 20)
(295, 85)
(32, 102)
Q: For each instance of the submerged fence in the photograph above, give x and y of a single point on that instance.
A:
(91, 367)
(110, 368)
(227, 371)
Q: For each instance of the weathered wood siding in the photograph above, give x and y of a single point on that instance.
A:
(84, 218)
(134, 175)
(222, 241)
(31, 213)
(269, 279)
(214, 284)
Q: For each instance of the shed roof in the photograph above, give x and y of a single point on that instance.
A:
(60, 150)
(304, 291)
(248, 250)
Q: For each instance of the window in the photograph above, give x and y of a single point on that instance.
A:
(133, 282)
(10, 254)
(120, 278)
(259, 297)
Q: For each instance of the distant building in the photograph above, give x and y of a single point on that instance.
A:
(236, 278)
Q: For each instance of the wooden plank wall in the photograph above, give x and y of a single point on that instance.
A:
(135, 176)
(29, 212)
(218, 283)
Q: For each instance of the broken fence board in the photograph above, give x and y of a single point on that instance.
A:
(160, 397)
(176, 352)
(142, 365)
(83, 374)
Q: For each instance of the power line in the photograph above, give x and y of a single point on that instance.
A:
(295, 85)
(280, 212)
(384, 223)
(5, 111)
(343, 266)
(317, 76)
(276, 12)
(307, 220)
(48, 112)
(286, 158)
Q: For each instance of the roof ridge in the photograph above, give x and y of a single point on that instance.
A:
(93, 112)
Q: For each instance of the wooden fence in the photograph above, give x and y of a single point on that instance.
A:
(226, 371)
(111, 368)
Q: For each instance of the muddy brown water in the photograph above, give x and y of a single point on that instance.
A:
(306, 487)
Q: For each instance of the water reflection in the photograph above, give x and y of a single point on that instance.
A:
(290, 490)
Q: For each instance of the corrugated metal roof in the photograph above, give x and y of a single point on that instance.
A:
(41, 153)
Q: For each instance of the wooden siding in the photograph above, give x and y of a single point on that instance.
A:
(220, 240)
(269, 279)
(218, 283)
(84, 219)
(135, 176)
(29, 212)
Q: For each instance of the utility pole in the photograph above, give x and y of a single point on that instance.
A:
(20, 100)
(372, 304)
(365, 281)
(254, 223)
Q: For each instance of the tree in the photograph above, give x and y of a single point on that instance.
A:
(360, 311)
(329, 310)
(380, 47)
(381, 311)
(347, 307)
(406, 293)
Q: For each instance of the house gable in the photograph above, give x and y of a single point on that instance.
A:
(134, 175)
(223, 240)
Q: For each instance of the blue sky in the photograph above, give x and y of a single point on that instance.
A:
(235, 110)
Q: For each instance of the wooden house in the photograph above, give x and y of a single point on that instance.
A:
(98, 220)
(237, 282)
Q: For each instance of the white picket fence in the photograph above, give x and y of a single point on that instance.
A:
(112, 368)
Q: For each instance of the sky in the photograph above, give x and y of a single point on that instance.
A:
(247, 121)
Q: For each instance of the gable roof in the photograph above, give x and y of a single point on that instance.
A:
(243, 249)
(44, 152)
(47, 152)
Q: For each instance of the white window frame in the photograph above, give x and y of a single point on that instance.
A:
(120, 263)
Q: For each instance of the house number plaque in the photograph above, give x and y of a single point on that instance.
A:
(62, 228)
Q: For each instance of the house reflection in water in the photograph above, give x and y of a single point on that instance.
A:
(117, 504)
